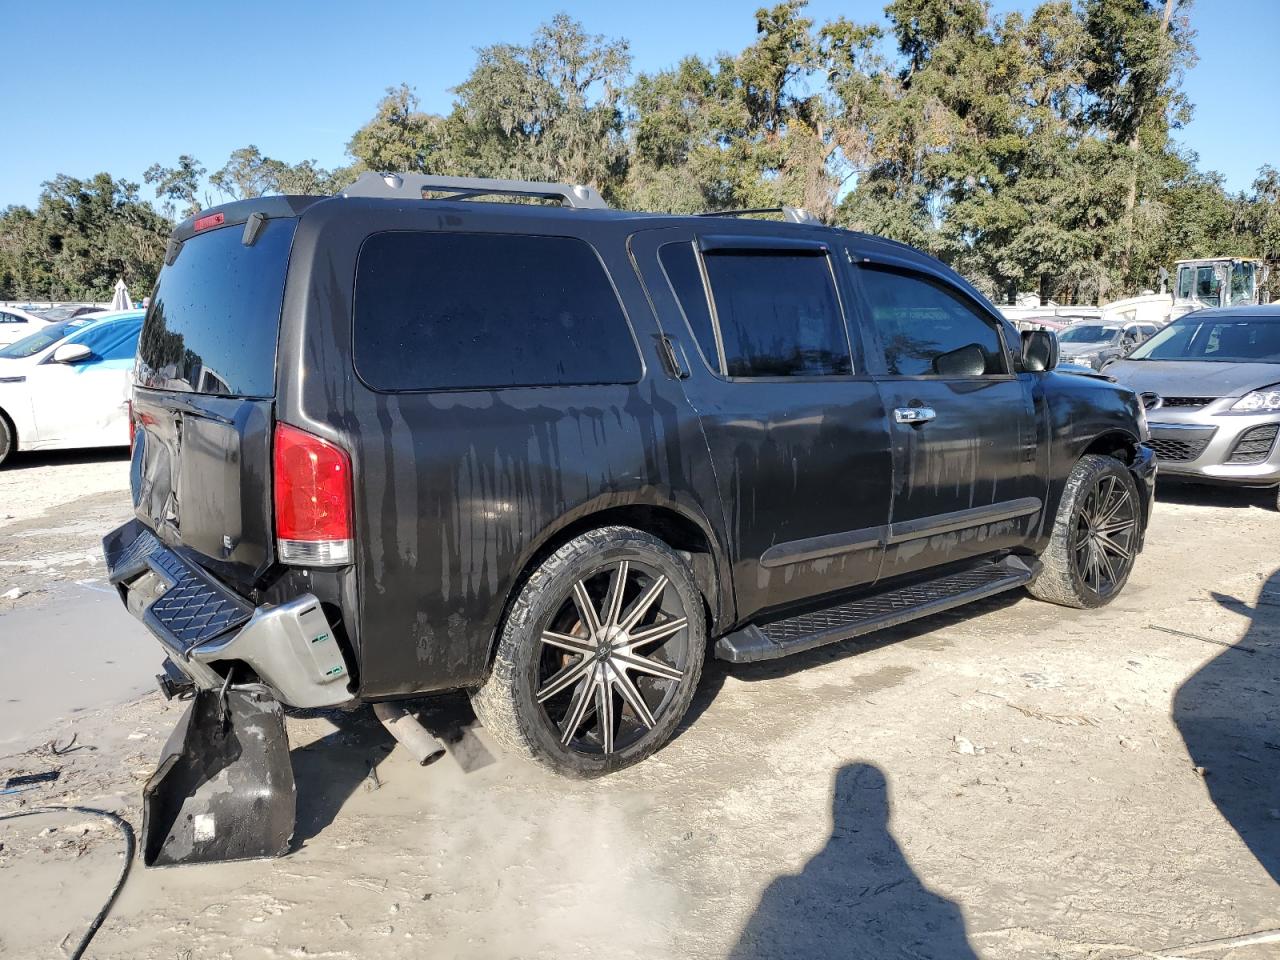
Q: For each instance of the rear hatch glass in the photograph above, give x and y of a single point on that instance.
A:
(203, 407)
(215, 315)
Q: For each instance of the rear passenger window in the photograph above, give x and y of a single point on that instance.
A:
(928, 330)
(449, 311)
(680, 261)
(778, 314)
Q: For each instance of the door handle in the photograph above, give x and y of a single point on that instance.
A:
(914, 414)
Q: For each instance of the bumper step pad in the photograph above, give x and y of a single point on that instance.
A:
(193, 609)
(876, 612)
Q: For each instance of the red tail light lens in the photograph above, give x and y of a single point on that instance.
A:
(312, 499)
(133, 427)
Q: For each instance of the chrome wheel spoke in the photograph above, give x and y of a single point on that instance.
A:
(586, 609)
(1111, 546)
(1117, 527)
(641, 606)
(1118, 504)
(634, 699)
(617, 587)
(566, 642)
(659, 632)
(632, 661)
(563, 680)
(1105, 567)
(604, 711)
(578, 709)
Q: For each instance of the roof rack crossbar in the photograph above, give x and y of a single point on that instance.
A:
(791, 214)
(418, 185)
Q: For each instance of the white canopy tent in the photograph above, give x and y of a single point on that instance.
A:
(120, 299)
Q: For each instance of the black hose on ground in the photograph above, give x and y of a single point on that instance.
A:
(126, 831)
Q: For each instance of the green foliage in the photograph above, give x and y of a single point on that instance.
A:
(1032, 151)
(82, 237)
(250, 174)
(399, 137)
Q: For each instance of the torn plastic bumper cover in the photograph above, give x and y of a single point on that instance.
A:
(224, 787)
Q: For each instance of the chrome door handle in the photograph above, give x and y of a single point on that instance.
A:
(914, 414)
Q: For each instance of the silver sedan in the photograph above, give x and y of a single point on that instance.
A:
(1211, 384)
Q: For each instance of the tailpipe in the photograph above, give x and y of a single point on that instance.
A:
(224, 788)
(404, 726)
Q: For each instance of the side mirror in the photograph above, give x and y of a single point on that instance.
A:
(1039, 350)
(71, 353)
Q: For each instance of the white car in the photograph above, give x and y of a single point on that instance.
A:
(66, 385)
(16, 324)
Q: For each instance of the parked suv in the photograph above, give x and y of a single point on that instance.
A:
(389, 444)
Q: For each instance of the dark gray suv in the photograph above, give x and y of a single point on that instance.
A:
(391, 443)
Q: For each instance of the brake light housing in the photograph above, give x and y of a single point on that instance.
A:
(209, 222)
(313, 501)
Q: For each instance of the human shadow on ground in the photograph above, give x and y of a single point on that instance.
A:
(857, 897)
(1228, 713)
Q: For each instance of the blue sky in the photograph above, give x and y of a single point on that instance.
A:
(89, 86)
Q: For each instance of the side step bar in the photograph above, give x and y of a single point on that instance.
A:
(876, 612)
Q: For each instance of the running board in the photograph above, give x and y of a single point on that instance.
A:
(782, 637)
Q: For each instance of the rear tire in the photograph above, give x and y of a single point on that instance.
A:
(599, 655)
(1095, 536)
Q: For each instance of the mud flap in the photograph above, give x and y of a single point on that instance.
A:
(223, 789)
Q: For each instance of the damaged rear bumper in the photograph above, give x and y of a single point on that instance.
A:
(204, 627)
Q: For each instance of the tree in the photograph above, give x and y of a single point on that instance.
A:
(400, 137)
(178, 184)
(82, 237)
(546, 111)
(1138, 51)
(247, 173)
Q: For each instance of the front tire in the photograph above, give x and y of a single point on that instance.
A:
(1095, 536)
(7, 439)
(599, 655)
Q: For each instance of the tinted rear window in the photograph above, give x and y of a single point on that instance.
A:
(448, 311)
(215, 315)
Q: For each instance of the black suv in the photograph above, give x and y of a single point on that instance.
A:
(401, 440)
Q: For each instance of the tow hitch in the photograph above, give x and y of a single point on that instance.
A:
(223, 789)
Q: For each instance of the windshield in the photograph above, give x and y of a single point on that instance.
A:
(1088, 333)
(1231, 341)
(31, 345)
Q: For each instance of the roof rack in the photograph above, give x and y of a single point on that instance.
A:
(791, 214)
(418, 185)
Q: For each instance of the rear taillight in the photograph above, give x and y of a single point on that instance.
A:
(133, 427)
(312, 499)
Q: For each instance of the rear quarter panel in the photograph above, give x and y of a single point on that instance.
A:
(456, 491)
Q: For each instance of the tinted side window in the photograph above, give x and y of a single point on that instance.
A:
(926, 329)
(680, 262)
(779, 315)
(451, 311)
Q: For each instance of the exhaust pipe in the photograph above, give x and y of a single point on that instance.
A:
(404, 726)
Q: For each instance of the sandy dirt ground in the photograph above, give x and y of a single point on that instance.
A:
(1011, 781)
